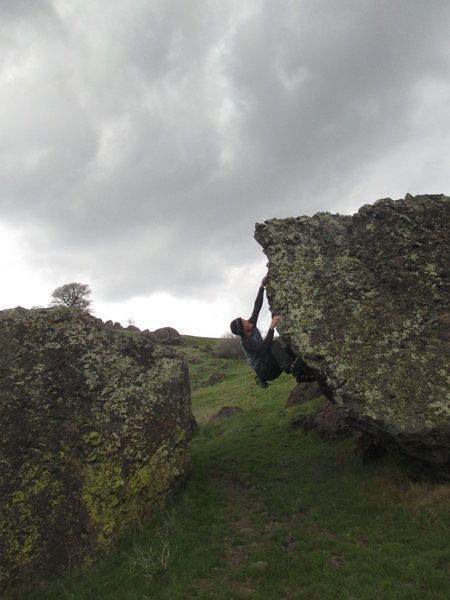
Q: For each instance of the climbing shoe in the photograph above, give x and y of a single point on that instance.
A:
(261, 382)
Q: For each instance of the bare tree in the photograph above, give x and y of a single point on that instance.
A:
(74, 295)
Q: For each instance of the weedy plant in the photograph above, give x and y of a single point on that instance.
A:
(150, 561)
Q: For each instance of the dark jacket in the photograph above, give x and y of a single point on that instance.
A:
(255, 347)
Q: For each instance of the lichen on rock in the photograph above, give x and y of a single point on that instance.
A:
(365, 300)
(95, 430)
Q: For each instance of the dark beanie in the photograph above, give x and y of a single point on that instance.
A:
(237, 327)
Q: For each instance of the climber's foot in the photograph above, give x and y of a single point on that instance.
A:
(261, 382)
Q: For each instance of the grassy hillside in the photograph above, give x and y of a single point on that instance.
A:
(272, 512)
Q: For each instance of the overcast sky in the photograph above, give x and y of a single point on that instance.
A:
(141, 140)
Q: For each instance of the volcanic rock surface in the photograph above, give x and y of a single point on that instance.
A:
(94, 432)
(365, 300)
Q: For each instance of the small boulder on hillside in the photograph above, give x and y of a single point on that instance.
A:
(167, 336)
(216, 378)
(304, 392)
(329, 421)
(225, 412)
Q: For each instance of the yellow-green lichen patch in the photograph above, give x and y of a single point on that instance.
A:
(101, 494)
(95, 433)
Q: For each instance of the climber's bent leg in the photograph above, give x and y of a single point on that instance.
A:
(281, 356)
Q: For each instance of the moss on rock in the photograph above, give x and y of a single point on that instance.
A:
(364, 299)
(95, 428)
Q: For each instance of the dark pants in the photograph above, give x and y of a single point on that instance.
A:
(274, 362)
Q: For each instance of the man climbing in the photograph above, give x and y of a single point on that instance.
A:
(266, 357)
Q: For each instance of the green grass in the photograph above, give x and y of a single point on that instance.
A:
(272, 512)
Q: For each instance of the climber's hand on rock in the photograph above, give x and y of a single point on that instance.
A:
(274, 322)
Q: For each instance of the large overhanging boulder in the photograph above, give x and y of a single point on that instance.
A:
(365, 300)
(94, 432)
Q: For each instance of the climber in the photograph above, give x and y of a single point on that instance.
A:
(266, 357)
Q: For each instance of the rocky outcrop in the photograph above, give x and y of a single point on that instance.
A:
(329, 421)
(225, 413)
(94, 425)
(166, 335)
(365, 300)
(304, 392)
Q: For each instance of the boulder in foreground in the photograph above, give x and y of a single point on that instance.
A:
(365, 300)
(94, 428)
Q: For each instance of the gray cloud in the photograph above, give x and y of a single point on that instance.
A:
(140, 142)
